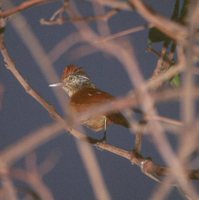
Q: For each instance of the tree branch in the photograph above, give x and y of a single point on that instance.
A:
(21, 7)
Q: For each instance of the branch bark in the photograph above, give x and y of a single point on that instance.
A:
(21, 7)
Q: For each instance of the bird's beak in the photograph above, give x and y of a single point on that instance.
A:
(56, 85)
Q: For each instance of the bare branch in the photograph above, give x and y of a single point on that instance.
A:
(21, 7)
(171, 28)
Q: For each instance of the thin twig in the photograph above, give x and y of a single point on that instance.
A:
(21, 7)
(61, 20)
(171, 28)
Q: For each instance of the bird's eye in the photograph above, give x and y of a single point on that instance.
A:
(70, 78)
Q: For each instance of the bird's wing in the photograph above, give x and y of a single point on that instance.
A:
(95, 96)
(90, 95)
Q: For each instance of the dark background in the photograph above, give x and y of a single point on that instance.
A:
(20, 113)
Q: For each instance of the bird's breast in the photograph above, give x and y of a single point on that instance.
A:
(96, 123)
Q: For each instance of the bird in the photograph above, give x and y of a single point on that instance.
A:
(83, 95)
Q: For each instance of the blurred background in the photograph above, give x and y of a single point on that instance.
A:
(21, 114)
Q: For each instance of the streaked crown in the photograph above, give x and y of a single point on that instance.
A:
(72, 70)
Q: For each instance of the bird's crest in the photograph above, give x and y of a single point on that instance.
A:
(71, 69)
